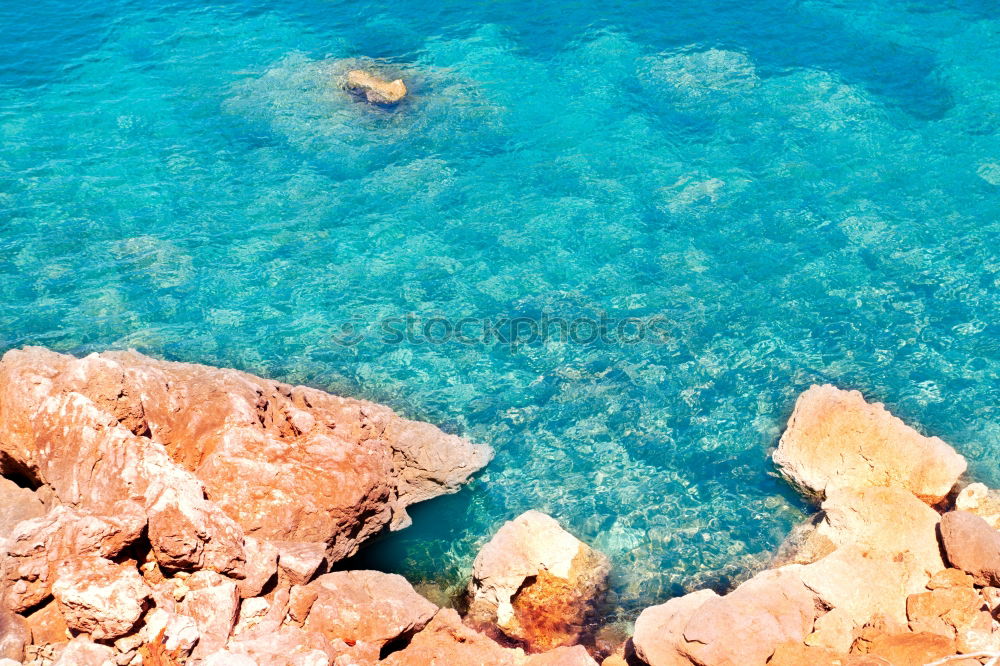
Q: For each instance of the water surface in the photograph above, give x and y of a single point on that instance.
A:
(802, 191)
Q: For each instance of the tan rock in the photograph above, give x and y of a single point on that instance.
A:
(835, 438)
(833, 631)
(659, 630)
(746, 626)
(890, 523)
(375, 89)
(260, 568)
(887, 583)
(971, 545)
(213, 604)
(946, 611)
(879, 625)
(14, 635)
(82, 652)
(537, 583)
(795, 654)
(575, 655)
(17, 504)
(252, 613)
(910, 649)
(977, 498)
(100, 598)
(949, 578)
(365, 606)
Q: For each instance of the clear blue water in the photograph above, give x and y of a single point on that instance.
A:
(805, 190)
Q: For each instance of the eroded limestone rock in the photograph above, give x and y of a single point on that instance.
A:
(537, 583)
(100, 598)
(836, 438)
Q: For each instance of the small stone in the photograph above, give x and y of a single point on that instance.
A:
(213, 604)
(299, 561)
(81, 652)
(948, 578)
(252, 612)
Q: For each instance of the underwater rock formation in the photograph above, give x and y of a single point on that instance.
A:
(375, 89)
(869, 584)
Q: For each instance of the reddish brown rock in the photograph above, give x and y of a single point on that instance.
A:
(47, 625)
(72, 424)
(946, 611)
(537, 583)
(971, 545)
(288, 646)
(30, 558)
(100, 598)
(835, 438)
(910, 649)
(446, 640)
(363, 607)
(120, 425)
(575, 655)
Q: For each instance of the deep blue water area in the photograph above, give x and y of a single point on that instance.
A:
(781, 192)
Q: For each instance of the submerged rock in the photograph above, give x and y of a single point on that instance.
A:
(537, 583)
(375, 89)
(835, 438)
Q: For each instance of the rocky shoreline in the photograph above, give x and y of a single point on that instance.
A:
(167, 513)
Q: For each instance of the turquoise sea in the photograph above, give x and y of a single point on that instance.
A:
(797, 191)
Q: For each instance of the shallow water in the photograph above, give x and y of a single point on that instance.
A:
(799, 191)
